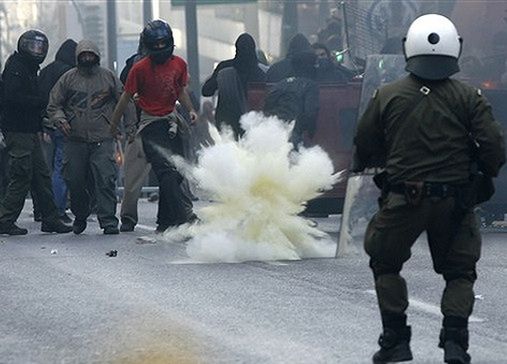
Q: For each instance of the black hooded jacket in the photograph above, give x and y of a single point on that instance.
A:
(245, 62)
(297, 97)
(65, 59)
(22, 101)
(283, 69)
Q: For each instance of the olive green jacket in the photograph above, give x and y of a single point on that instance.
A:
(433, 142)
(86, 99)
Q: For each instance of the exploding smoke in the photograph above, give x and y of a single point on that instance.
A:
(258, 186)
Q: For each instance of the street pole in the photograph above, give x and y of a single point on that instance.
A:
(111, 34)
(147, 11)
(192, 46)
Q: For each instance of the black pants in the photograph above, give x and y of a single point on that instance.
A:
(27, 170)
(174, 206)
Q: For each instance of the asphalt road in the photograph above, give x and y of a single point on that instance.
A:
(62, 300)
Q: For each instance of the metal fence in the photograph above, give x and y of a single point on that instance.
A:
(365, 31)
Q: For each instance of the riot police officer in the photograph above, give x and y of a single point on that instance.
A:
(423, 126)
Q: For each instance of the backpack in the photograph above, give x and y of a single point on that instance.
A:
(284, 100)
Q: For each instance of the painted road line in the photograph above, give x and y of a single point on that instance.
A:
(428, 308)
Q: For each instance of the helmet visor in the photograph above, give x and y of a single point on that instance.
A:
(37, 47)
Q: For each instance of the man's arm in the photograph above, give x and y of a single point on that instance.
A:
(55, 109)
(130, 114)
(489, 135)
(184, 98)
(211, 85)
(120, 108)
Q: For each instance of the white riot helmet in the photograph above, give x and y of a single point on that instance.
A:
(432, 47)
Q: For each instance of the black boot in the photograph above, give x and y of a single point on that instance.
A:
(111, 230)
(454, 341)
(78, 226)
(394, 346)
(12, 229)
(55, 226)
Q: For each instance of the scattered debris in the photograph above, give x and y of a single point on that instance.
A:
(312, 223)
(499, 224)
(54, 251)
(112, 253)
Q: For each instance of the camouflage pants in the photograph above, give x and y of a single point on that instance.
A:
(455, 250)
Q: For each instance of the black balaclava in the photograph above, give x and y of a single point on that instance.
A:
(298, 43)
(88, 63)
(87, 46)
(323, 63)
(161, 56)
(67, 53)
(246, 57)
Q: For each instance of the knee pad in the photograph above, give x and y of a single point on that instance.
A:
(380, 269)
(469, 275)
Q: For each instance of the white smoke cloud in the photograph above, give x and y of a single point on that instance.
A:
(258, 185)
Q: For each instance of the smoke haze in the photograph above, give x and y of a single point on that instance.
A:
(258, 185)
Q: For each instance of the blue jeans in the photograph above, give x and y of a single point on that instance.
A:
(59, 186)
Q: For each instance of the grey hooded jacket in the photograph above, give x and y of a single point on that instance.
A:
(86, 99)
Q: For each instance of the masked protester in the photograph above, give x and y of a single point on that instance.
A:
(80, 105)
(296, 98)
(23, 107)
(231, 78)
(327, 70)
(159, 80)
(427, 127)
(283, 68)
(65, 60)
